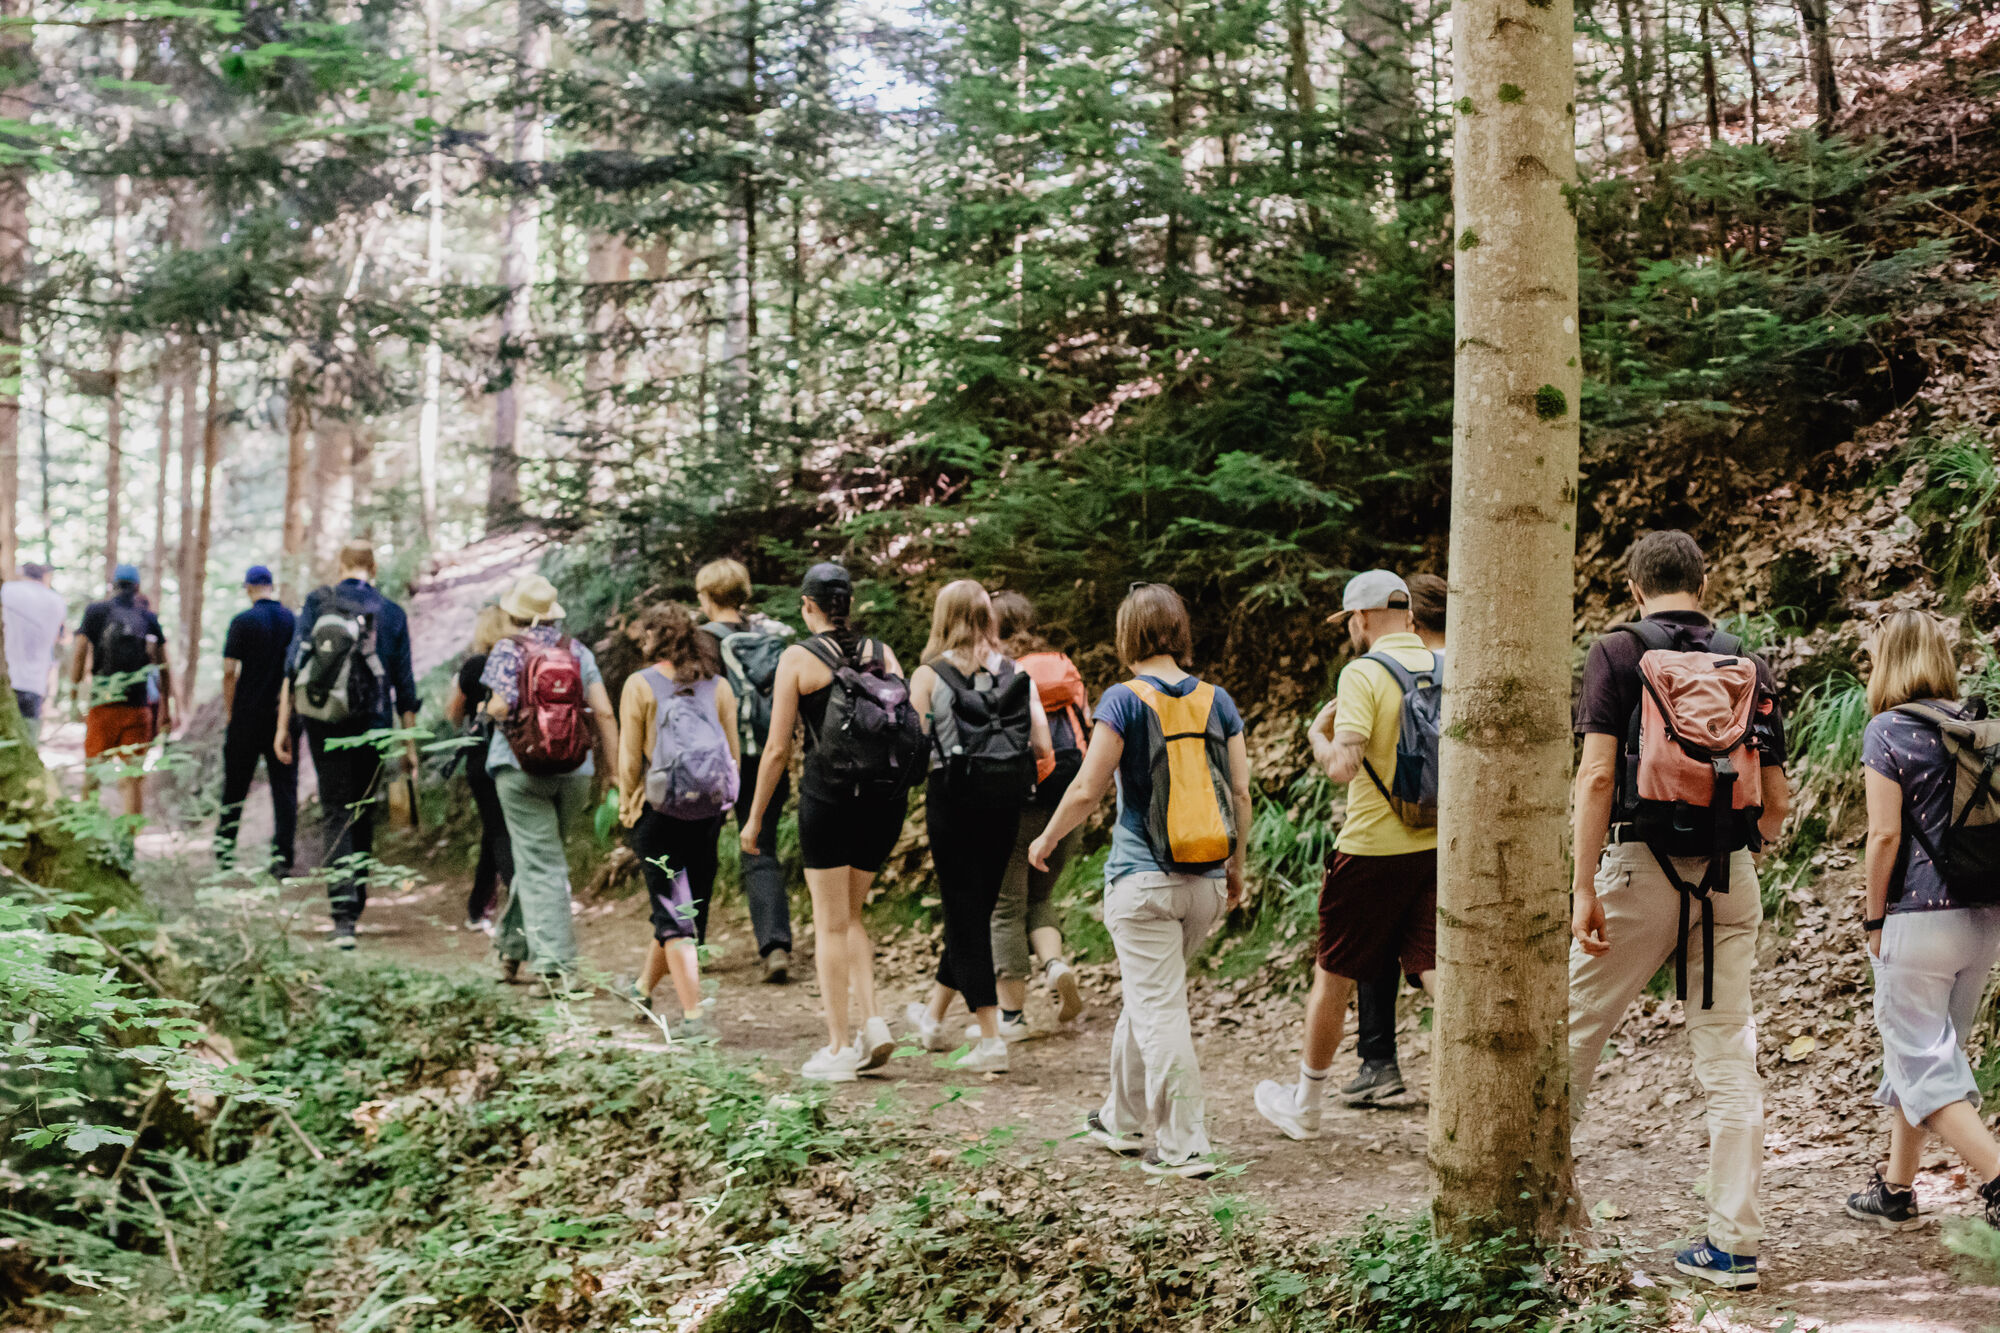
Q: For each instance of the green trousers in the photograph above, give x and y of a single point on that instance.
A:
(535, 928)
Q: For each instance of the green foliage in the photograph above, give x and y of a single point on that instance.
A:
(1826, 729)
(1962, 483)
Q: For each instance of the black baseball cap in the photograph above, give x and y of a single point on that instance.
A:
(827, 584)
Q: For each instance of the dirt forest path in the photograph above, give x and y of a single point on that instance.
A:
(1640, 1152)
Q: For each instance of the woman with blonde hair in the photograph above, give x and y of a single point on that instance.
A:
(987, 732)
(1933, 927)
(465, 707)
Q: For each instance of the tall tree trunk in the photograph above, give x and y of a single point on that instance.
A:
(333, 487)
(17, 76)
(429, 418)
(192, 431)
(1303, 96)
(519, 254)
(298, 422)
(1635, 72)
(1379, 84)
(1711, 97)
(114, 426)
(1819, 49)
(361, 466)
(156, 565)
(195, 593)
(1499, 1124)
(736, 396)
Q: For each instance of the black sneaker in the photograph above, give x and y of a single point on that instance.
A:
(1991, 1193)
(1198, 1167)
(1886, 1206)
(1378, 1081)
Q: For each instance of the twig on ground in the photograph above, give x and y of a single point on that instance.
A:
(303, 1138)
(166, 1230)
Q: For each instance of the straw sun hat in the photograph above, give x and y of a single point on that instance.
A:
(532, 599)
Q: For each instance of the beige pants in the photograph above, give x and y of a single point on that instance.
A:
(1642, 916)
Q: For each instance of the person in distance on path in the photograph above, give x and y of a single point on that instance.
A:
(33, 615)
(466, 707)
(253, 675)
(1378, 898)
(119, 646)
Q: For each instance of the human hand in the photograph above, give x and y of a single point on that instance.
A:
(747, 837)
(1038, 852)
(282, 747)
(410, 759)
(1234, 878)
(1875, 943)
(1587, 924)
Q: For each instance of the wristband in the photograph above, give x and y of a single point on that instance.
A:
(1872, 924)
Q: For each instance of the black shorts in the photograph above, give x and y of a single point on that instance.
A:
(855, 833)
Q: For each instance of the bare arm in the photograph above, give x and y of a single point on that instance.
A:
(603, 714)
(1239, 789)
(922, 680)
(1777, 803)
(281, 745)
(1596, 783)
(1039, 739)
(159, 652)
(79, 663)
(1339, 755)
(454, 704)
(1885, 840)
(1100, 765)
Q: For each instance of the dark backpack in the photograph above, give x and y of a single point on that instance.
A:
(1689, 780)
(1412, 791)
(1969, 858)
(339, 680)
(871, 743)
(549, 725)
(981, 729)
(121, 644)
(750, 661)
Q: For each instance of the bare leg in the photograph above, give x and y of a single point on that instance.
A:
(1326, 1018)
(939, 1003)
(1906, 1150)
(833, 931)
(860, 950)
(1046, 942)
(135, 795)
(1013, 994)
(1960, 1126)
(989, 1021)
(1429, 982)
(653, 968)
(685, 964)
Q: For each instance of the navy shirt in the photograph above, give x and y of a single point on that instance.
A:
(1123, 711)
(1911, 752)
(96, 617)
(392, 643)
(260, 643)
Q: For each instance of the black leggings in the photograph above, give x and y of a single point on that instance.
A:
(678, 890)
(496, 849)
(969, 848)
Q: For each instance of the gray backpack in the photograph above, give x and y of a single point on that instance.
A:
(1412, 791)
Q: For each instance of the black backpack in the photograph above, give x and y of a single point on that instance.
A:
(871, 743)
(121, 643)
(1968, 860)
(339, 680)
(981, 729)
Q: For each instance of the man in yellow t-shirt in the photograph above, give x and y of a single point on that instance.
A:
(1378, 900)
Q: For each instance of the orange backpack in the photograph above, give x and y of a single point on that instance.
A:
(1067, 704)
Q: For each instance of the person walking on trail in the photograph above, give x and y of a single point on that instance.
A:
(1378, 897)
(254, 654)
(465, 706)
(751, 646)
(1932, 914)
(1381, 1074)
(551, 705)
(349, 673)
(678, 770)
(32, 614)
(1175, 868)
(864, 749)
(1665, 826)
(1024, 920)
(988, 734)
(119, 646)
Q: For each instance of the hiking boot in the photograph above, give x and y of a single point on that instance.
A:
(1990, 1192)
(777, 967)
(1279, 1103)
(1099, 1133)
(828, 1065)
(1886, 1206)
(1069, 998)
(1378, 1081)
(343, 936)
(1738, 1272)
(695, 1031)
(927, 1030)
(988, 1057)
(1198, 1167)
(1010, 1029)
(874, 1045)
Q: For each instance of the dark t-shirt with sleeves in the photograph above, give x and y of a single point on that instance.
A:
(259, 640)
(1611, 688)
(471, 686)
(1910, 751)
(95, 617)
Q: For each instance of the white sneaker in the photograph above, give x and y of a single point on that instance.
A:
(830, 1066)
(1069, 998)
(1014, 1031)
(874, 1045)
(988, 1057)
(1279, 1103)
(927, 1030)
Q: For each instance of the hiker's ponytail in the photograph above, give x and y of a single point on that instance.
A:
(836, 606)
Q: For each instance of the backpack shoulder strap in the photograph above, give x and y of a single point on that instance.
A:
(950, 674)
(1654, 636)
(1406, 679)
(825, 650)
(1926, 713)
(1724, 644)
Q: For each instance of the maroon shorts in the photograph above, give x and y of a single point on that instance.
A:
(117, 727)
(1376, 912)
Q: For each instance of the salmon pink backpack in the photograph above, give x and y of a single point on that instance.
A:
(1690, 782)
(1067, 704)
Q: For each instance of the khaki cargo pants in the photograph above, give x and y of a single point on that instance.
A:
(1642, 918)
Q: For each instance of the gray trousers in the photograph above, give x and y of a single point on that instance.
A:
(1024, 905)
(536, 927)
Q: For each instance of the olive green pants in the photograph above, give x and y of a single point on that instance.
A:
(535, 928)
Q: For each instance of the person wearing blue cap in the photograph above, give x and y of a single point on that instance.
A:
(118, 644)
(253, 670)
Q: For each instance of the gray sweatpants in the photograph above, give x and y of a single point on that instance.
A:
(1928, 984)
(1157, 921)
(1024, 905)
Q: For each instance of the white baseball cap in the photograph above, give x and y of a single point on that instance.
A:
(1371, 590)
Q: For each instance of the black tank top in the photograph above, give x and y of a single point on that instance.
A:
(812, 707)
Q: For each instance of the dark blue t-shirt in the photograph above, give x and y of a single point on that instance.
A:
(1911, 752)
(1123, 711)
(259, 642)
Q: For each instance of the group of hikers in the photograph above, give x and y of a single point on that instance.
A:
(1680, 785)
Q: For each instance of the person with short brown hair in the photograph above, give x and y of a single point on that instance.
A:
(1153, 622)
(724, 585)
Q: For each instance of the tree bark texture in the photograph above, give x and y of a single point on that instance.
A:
(1499, 1124)
(1635, 73)
(298, 424)
(156, 565)
(194, 592)
(17, 74)
(429, 416)
(1819, 52)
(519, 254)
(191, 434)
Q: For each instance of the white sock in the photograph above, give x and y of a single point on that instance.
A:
(1312, 1086)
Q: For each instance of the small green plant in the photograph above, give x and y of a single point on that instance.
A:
(1961, 488)
(1757, 631)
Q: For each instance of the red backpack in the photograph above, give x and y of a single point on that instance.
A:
(549, 724)
(1690, 780)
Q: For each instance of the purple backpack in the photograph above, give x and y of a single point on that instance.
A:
(692, 775)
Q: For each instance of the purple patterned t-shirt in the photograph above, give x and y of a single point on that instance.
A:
(1910, 751)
